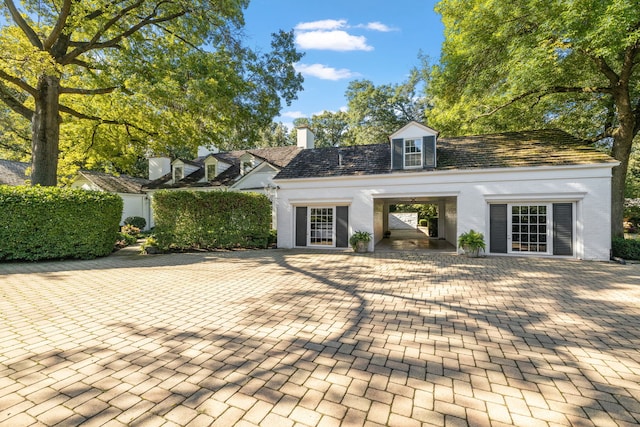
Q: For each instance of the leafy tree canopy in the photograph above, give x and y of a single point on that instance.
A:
(120, 78)
(537, 64)
(375, 112)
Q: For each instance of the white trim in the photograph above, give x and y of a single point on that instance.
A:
(576, 214)
(320, 202)
(422, 172)
(333, 227)
(548, 225)
(256, 169)
(419, 153)
(534, 197)
(415, 195)
(413, 123)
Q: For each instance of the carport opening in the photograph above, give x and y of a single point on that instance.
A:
(416, 224)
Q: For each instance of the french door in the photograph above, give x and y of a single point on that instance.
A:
(321, 226)
(529, 228)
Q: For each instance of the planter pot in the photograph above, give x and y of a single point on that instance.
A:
(361, 247)
(472, 253)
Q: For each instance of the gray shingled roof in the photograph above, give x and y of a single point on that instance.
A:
(13, 173)
(505, 150)
(277, 156)
(115, 184)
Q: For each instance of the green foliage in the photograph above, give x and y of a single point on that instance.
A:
(331, 129)
(472, 241)
(424, 211)
(375, 112)
(150, 245)
(632, 215)
(359, 236)
(130, 230)
(626, 248)
(208, 220)
(137, 221)
(126, 239)
(52, 223)
(423, 222)
(138, 75)
(517, 65)
(632, 184)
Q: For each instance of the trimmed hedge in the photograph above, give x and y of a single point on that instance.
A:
(211, 220)
(52, 223)
(626, 248)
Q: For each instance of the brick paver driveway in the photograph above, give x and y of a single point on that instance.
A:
(283, 338)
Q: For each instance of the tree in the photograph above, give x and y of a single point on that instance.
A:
(275, 135)
(375, 112)
(331, 129)
(125, 76)
(632, 188)
(515, 65)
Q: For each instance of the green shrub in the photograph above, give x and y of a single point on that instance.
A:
(210, 220)
(52, 223)
(626, 248)
(136, 221)
(423, 222)
(130, 230)
(125, 239)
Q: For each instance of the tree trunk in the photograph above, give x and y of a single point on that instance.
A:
(46, 132)
(622, 142)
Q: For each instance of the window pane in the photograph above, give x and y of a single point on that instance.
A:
(528, 228)
(412, 152)
(321, 226)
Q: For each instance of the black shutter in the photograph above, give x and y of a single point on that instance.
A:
(342, 226)
(498, 229)
(301, 226)
(563, 229)
(397, 153)
(429, 151)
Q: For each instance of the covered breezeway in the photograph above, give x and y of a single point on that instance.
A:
(416, 238)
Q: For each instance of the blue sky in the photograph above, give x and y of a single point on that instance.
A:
(345, 40)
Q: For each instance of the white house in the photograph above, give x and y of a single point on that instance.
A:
(242, 170)
(135, 201)
(534, 193)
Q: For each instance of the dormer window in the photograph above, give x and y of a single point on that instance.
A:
(413, 153)
(413, 147)
(247, 162)
(246, 166)
(178, 173)
(211, 171)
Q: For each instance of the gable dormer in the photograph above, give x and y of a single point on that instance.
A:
(210, 168)
(182, 168)
(247, 162)
(413, 147)
(177, 170)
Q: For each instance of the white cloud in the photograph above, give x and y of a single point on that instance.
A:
(324, 25)
(332, 40)
(377, 26)
(324, 72)
(293, 114)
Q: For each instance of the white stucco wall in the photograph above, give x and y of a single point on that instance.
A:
(133, 204)
(379, 213)
(450, 221)
(589, 187)
(403, 221)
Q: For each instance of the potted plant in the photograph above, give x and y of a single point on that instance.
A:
(150, 246)
(472, 242)
(360, 240)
